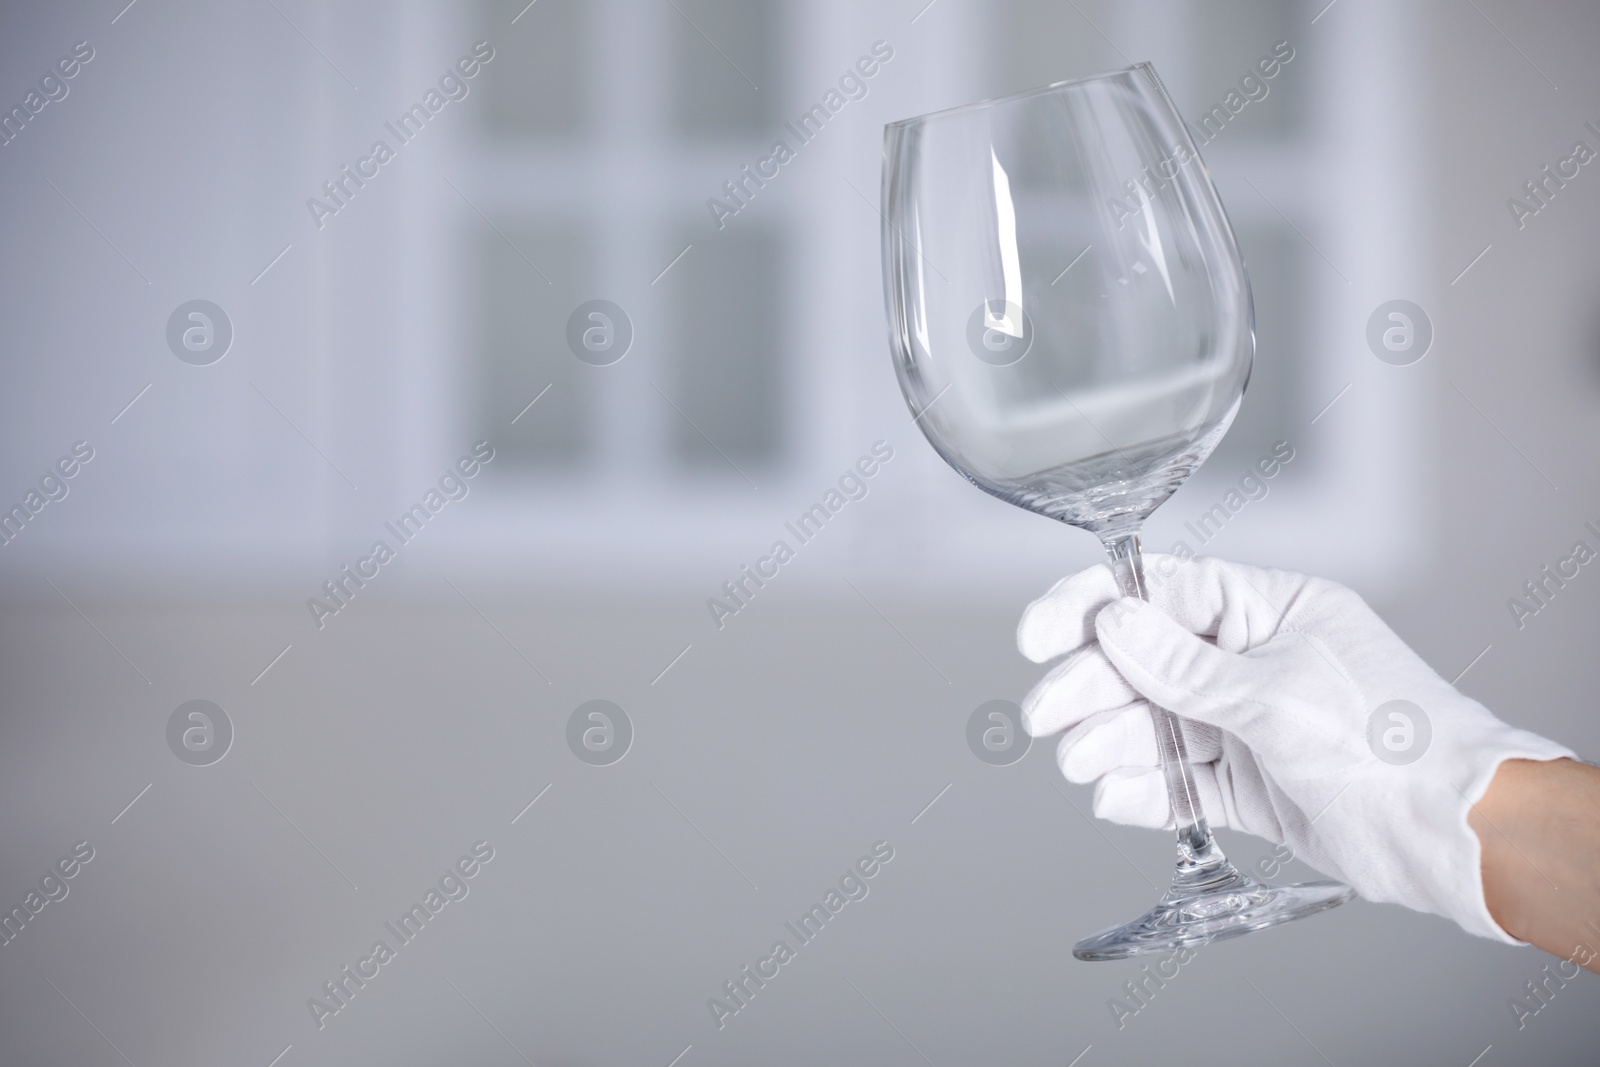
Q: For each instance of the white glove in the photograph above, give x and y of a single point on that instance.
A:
(1278, 691)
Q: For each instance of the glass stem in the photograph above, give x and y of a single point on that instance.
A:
(1199, 858)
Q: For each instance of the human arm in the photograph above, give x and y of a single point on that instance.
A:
(1539, 827)
(1309, 722)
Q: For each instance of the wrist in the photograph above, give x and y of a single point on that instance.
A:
(1538, 824)
(1499, 818)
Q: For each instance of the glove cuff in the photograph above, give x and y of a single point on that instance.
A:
(1425, 854)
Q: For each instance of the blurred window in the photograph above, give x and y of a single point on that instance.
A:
(711, 324)
(545, 91)
(523, 355)
(728, 371)
(725, 67)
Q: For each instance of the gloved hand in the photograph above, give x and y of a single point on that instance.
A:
(1278, 677)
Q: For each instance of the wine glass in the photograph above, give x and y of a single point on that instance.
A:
(1071, 325)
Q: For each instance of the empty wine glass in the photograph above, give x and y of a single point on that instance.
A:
(1072, 328)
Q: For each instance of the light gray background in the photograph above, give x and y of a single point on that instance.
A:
(827, 715)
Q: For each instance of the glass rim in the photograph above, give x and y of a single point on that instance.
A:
(1144, 66)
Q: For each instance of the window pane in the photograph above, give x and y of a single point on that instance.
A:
(1036, 44)
(524, 345)
(537, 82)
(730, 358)
(723, 50)
(1233, 38)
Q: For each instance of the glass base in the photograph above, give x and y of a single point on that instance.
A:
(1227, 904)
